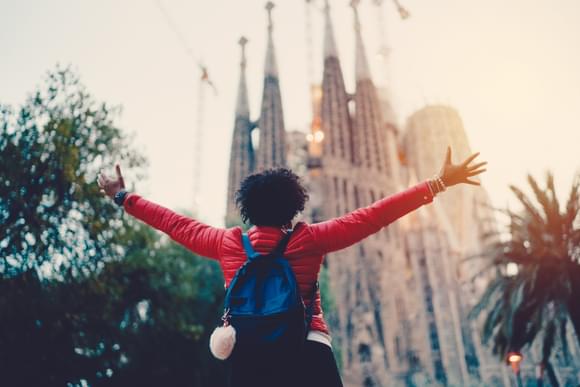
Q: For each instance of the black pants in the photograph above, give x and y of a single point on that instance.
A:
(314, 368)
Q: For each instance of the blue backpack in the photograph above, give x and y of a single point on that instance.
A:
(264, 305)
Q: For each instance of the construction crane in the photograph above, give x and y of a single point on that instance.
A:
(204, 82)
(403, 13)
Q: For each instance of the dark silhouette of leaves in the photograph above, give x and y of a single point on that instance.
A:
(538, 301)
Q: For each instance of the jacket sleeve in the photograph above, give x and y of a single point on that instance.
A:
(196, 236)
(339, 233)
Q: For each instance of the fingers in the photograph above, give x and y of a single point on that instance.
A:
(120, 176)
(100, 180)
(477, 172)
(473, 167)
(103, 180)
(472, 182)
(470, 159)
(102, 183)
(448, 155)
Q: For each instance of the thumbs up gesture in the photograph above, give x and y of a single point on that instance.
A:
(110, 186)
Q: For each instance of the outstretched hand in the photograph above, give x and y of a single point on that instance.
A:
(110, 186)
(453, 174)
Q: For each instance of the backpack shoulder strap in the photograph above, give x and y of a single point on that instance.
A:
(251, 254)
(281, 246)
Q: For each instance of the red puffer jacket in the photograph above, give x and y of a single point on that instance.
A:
(306, 249)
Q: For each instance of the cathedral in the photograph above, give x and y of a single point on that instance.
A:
(401, 296)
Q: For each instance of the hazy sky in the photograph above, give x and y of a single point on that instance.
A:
(511, 68)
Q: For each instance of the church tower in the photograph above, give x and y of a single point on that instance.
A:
(335, 123)
(335, 119)
(372, 149)
(400, 310)
(358, 274)
(242, 150)
(271, 150)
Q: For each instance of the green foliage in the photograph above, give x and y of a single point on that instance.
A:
(144, 320)
(87, 295)
(536, 302)
(169, 307)
(50, 151)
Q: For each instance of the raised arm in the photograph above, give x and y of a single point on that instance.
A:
(339, 233)
(344, 231)
(196, 236)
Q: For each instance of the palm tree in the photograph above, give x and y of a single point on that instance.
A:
(536, 301)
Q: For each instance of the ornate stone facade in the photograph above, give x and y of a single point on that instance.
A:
(401, 318)
(402, 295)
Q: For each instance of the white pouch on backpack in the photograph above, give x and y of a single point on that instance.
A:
(222, 341)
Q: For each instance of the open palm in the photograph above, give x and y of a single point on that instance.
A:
(453, 174)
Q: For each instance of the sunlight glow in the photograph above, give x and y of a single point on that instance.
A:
(512, 269)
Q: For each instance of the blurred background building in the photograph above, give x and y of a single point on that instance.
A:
(402, 295)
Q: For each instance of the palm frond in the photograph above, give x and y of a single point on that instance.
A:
(492, 320)
(548, 340)
(552, 190)
(526, 202)
(533, 281)
(573, 203)
(536, 303)
(492, 290)
(513, 301)
(547, 199)
(482, 271)
(564, 338)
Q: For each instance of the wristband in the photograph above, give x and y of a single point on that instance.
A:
(119, 197)
(431, 191)
(443, 186)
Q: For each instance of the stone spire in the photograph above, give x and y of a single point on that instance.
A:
(335, 118)
(329, 41)
(272, 147)
(361, 63)
(242, 105)
(242, 151)
(383, 82)
(373, 149)
(270, 66)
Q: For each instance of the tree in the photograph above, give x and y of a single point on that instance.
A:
(537, 301)
(161, 306)
(51, 149)
(55, 226)
(143, 320)
(87, 295)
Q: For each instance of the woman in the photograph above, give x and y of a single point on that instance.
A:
(270, 200)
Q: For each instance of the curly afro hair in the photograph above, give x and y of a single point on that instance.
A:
(271, 198)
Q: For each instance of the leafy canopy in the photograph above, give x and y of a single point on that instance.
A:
(537, 301)
(51, 149)
(87, 295)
